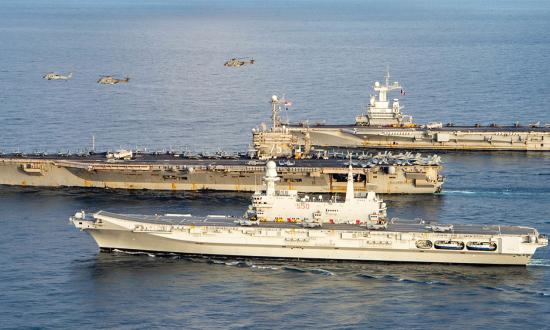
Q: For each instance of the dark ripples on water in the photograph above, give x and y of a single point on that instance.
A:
(463, 62)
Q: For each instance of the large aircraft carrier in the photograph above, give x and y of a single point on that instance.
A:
(382, 173)
(385, 127)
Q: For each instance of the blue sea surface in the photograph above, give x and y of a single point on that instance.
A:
(458, 61)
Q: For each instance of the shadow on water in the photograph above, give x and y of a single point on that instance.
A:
(115, 266)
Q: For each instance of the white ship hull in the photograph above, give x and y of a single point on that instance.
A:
(116, 240)
(290, 241)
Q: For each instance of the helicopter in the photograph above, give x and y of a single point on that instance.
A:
(57, 76)
(238, 62)
(110, 80)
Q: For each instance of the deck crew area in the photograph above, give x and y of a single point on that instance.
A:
(335, 158)
(394, 225)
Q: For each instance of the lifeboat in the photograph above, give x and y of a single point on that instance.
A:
(449, 245)
(424, 244)
(481, 246)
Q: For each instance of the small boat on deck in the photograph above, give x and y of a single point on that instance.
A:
(449, 245)
(481, 246)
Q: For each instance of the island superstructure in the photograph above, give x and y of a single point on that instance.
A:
(384, 126)
(302, 236)
(287, 205)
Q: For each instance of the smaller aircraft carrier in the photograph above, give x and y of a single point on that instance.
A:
(385, 127)
(400, 241)
(282, 224)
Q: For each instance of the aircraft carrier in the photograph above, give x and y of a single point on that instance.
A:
(282, 224)
(382, 173)
(400, 241)
(385, 127)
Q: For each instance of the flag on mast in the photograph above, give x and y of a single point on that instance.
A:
(286, 102)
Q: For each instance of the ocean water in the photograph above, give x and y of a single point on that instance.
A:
(461, 62)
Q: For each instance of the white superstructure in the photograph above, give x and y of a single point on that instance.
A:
(380, 112)
(288, 206)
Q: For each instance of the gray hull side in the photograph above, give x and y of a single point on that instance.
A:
(410, 179)
(433, 140)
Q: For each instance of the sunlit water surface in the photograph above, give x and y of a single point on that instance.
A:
(461, 62)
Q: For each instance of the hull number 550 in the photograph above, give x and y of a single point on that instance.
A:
(302, 206)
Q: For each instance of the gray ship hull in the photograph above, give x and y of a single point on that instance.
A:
(453, 138)
(226, 175)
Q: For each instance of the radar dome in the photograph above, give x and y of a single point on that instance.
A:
(274, 98)
(377, 84)
(271, 169)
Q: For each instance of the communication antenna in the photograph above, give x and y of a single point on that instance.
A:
(275, 122)
(93, 143)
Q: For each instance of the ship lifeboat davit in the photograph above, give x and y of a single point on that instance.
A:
(424, 244)
(449, 245)
(481, 246)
